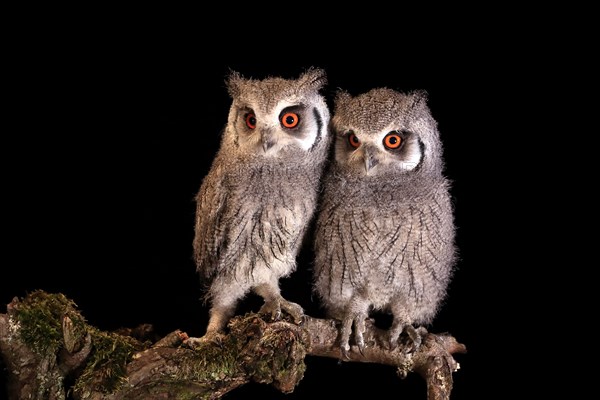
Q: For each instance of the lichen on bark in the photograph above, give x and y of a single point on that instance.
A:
(51, 351)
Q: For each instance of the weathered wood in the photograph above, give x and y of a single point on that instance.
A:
(49, 350)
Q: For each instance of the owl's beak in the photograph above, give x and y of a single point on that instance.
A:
(267, 140)
(370, 160)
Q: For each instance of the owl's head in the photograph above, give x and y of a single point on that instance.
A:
(275, 114)
(384, 131)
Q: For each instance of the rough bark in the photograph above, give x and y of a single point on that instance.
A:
(50, 352)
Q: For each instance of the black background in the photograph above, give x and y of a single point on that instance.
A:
(114, 129)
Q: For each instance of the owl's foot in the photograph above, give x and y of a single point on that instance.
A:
(294, 310)
(356, 320)
(274, 307)
(214, 337)
(411, 341)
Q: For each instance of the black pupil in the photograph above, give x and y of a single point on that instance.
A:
(393, 140)
(252, 120)
(289, 120)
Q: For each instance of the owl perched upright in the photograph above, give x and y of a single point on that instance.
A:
(255, 204)
(385, 233)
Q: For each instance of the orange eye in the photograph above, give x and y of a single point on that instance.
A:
(251, 121)
(392, 141)
(353, 140)
(290, 120)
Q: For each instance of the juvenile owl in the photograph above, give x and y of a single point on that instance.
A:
(255, 204)
(385, 234)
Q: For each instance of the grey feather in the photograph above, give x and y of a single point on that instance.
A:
(385, 233)
(255, 204)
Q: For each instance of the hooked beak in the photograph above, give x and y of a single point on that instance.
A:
(267, 140)
(370, 160)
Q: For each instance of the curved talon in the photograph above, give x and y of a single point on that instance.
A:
(272, 309)
(361, 348)
(344, 350)
(359, 329)
(360, 341)
(356, 321)
(415, 339)
(210, 337)
(293, 309)
(412, 341)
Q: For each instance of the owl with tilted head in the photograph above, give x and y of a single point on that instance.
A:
(255, 204)
(385, 232)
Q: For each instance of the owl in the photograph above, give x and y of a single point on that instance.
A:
(255, 204)
(385, 233)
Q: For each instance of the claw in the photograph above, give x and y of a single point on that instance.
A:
(344, 349)
(415, 339)
(216, 338)
(274, 308)
(356, 321)
(412, 340)
(293, 309)
(361, 348)
(360, 341)
(359, 329)
(271, 309)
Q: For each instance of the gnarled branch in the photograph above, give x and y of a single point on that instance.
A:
(49, 351)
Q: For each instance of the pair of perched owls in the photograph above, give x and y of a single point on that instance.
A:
(384, 238)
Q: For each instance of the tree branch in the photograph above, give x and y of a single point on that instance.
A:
(50, 352)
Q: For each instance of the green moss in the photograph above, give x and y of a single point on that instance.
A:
(41, 316)
(275, 352)
(267, 353)
(210, 362)
(106, 368)
(280, 358)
